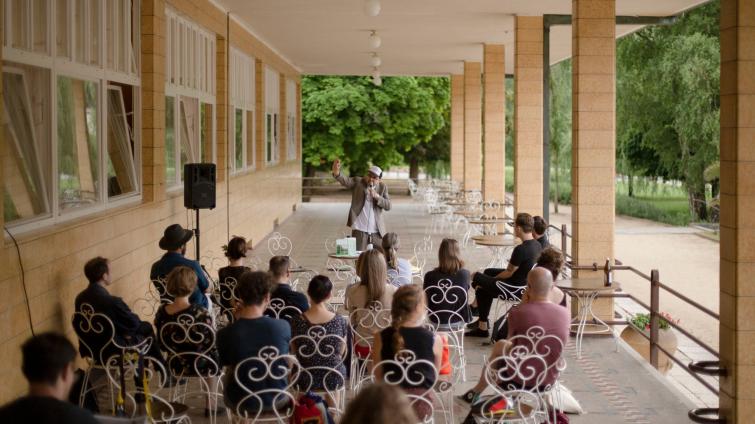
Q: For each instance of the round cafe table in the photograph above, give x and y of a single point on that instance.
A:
(586, 290)
(500, 245)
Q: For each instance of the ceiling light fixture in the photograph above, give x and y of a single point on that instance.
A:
(372, 7)
(376, 61)
(375, 40)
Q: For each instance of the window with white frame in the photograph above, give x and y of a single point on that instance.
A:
(242, 149)
(70, 91)
(272, 111)
(291, 119)
(189, 96)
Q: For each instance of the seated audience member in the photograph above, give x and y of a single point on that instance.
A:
(174, 242)
(235, 252)
(407, 333)
(450, 267)
(552, 260)
(328, 353)
(129, 329)
(372, 290)
(251, 332)
(379, 403)
(280, 270)
(399, 269)
(181, 282)
(538, 311)
(48, 365)
(522, 260)
(540, 231)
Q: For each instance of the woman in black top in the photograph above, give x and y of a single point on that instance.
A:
(228, 276)
(407, 336)
(444, 296)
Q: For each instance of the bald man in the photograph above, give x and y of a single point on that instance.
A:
(538, 311)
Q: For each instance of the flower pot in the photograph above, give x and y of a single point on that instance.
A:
(666, 339)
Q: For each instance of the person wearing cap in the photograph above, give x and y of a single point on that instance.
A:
(174, 242)
(369, 198)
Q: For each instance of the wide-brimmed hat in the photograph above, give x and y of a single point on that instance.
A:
(174, 237)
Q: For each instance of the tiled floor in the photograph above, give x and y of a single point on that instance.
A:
(612, 386)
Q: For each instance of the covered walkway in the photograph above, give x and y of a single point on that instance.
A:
(613, 387)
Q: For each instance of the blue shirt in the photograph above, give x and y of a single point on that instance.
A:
(170, 260)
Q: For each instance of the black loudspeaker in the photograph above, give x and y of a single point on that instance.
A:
(199, 185)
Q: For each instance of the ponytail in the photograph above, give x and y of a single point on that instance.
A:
(405, 301)
(390, 241)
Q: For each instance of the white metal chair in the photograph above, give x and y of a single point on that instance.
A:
(422, 250)
(279, 310)
(397, 280)
(526, 373)
(148, 396)
(150, 302)
(504, 302)
(317, 346)
(447, 313)
(268, 369)
(404, 371)
(97, 342)
(191, 354)
(364, 322)
(226, 295)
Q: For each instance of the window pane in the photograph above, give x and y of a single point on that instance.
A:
(40, 26)
(61, 15)
(25, 193)
(206, 133)
(121, 173)
(276, 139)
(251, 153)
(268, 137)
(170, 140)
(189, 131)
(93, 40)
(78, 150)
(239, 139)
(80, 22)
(20, 23)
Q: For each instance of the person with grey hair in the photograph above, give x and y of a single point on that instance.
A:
(539, 311)
(369, 198)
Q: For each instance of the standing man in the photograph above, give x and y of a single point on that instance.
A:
(369, 198)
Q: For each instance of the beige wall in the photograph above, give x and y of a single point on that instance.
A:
(53, 257)
(528, 114)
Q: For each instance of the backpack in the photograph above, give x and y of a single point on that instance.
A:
(500, 330)
(311, 409)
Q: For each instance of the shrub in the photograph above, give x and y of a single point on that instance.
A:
(638, 208)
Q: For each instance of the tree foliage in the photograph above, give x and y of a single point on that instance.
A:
(352, 119)
(667, 115)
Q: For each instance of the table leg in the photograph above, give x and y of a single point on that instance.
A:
(586, 317)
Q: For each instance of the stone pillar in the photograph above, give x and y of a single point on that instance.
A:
(737, 299)
(494, 171)
(457, 128)
(153, 99)
(528, 114)
(593, 136)
(472, 126)
(223, 107)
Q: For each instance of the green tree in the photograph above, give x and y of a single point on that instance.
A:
(560, 122)
(352, 119)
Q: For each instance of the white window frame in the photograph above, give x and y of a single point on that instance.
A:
(272, 110)
(291, 120)
(242, 94)
(99, 73)
(189, 76)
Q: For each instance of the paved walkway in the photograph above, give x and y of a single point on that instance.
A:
(613, 387)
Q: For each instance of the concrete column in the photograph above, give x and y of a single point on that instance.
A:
(737, 300)
(153, 99)
(528, 114)
(593, 135)
(223, 107)
(457, 128)
(494, 172)
(472, 126)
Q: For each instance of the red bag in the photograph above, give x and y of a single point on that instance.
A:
(307, 412)
(445, 361)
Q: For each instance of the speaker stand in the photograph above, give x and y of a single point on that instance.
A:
(196, 233)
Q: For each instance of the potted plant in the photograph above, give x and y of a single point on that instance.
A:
(640, 323)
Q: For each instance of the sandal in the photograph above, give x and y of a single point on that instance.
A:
(470, 397)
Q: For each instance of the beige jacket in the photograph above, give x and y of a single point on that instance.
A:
(358, 192)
